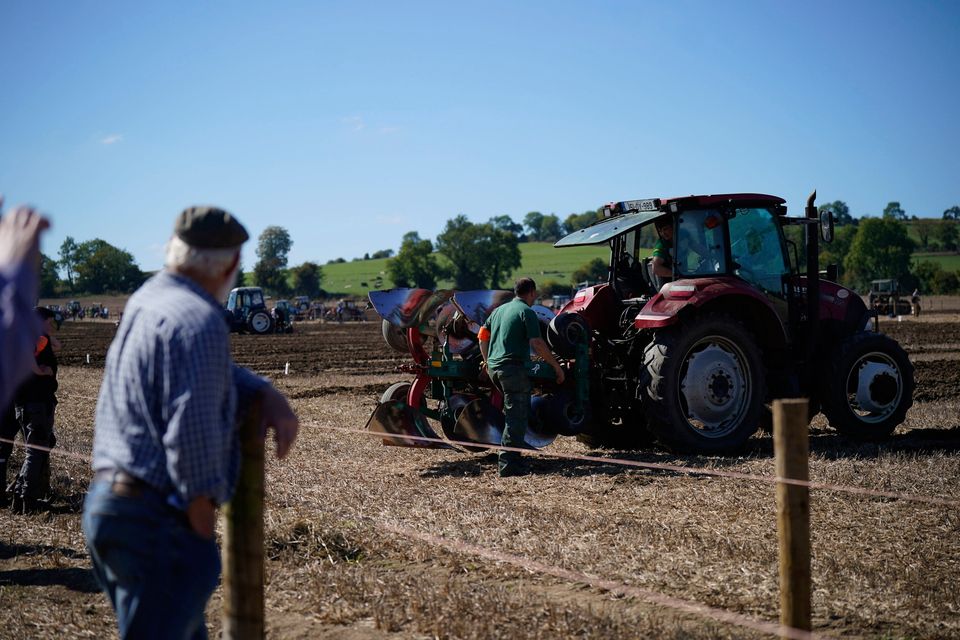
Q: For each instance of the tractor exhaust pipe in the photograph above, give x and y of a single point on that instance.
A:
(813, 285)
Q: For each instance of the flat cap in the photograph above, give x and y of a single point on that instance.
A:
(209, 228)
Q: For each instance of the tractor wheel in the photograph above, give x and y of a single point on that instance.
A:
(395, 336)
(260, 322)
(869, 387)
(704, 385)
(396, 392)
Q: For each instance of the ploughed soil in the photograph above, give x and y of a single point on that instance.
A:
(366, 541)
(358, 349)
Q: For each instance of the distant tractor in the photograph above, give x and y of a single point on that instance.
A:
(886, 300)
(283, 314)
(247, 312)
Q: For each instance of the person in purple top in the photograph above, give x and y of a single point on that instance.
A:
(165, 452)
(19, 274)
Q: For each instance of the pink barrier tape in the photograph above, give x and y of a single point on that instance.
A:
(63, 452)
(568, 575)
(660, 466)
(874, 493)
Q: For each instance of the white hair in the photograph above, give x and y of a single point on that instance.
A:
(181, 256)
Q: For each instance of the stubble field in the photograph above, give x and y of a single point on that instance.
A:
(366, 541)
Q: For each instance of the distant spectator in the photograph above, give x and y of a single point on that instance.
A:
(34, 405)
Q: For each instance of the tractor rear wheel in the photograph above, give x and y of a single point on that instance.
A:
(260, 322)
(869, 387)
(703, 385)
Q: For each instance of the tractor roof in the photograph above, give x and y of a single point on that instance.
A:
(621, 217)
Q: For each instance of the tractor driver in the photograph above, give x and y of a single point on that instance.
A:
(663, 249)
(506, 339)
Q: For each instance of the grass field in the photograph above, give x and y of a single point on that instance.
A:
(948, 261)
(540, 260)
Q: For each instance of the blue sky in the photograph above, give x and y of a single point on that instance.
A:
(351, 123)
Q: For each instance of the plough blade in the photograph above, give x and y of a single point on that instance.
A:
(482, 423)
(403, 426)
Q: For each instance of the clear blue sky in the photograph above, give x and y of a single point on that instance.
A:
(350, 123)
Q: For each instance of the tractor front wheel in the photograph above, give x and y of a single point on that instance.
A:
(703, 385)
(869, 387)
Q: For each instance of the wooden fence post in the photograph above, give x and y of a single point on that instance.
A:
(792, 450)
(243, 538)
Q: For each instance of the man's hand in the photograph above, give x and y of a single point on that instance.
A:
(202, 515)
(559, 371)
(278, 415)
(19, 236)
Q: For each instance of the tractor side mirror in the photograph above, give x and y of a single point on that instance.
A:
(826, 225)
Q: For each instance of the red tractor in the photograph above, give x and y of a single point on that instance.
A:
(692, 360)
(695, 360)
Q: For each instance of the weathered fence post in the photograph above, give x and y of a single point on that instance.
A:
(243, 539)
(792, 449)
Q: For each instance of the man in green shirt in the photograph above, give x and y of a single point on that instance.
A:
(662, 250)
(506, 339)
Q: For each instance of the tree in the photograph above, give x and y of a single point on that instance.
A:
(893, 211)
(273, 247)
(49, 279)
(577, 221)
(550, 230)
(533, 221)
(382, 253)
(924, 228)
(841, 212)
(100, 268)
(594, 271)
(953, 213)
(241, 276)
(479, 253)
(68, 260)
(947, 235)
(307, 278)
(835, 252)
(506, 223)
(415, 265)
(880, 249)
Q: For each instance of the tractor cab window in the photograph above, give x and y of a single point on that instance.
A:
(700, 241)
(756, 249)
(257, 298)
(232, 300)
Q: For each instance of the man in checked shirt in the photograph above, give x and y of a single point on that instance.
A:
(166, 450)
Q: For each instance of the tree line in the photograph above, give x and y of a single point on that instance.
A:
(486, 254)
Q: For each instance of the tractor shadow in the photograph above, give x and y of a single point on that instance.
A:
(824, 443)
(74, 578)
(546, 465)
(830, 445)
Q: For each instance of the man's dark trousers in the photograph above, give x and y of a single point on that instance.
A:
(512, 380)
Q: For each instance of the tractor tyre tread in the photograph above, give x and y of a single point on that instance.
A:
(659, 371)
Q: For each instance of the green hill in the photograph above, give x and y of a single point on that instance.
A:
(540, 260)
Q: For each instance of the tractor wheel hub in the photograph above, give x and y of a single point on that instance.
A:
(714, 386)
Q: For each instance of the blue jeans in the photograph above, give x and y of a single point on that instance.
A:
(156, 571)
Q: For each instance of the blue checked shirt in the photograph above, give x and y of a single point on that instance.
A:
(167, 407)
